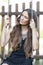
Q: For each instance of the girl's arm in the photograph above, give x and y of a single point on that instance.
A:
(5, 36)
(35, 35)
(35, 40)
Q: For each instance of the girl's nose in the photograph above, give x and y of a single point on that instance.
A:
(22, 17)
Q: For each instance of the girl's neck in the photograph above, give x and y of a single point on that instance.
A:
(24, 28)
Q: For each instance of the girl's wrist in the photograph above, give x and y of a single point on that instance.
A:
(34, 29)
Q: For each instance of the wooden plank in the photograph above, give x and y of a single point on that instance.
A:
(30, 5)
(23, 6)
(38, 57)
(3, 9)
(37, 8)
(16, 7)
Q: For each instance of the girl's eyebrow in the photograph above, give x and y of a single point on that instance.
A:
(24, 15)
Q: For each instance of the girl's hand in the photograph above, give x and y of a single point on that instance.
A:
(32, 24)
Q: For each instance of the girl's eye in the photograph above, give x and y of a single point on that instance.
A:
(24, 16)
(21, 14)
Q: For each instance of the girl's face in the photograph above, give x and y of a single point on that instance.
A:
(24, 19)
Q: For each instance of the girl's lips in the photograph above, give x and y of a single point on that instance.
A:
(21, 20)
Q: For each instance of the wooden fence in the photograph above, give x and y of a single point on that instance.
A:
(16, 13)
(3, 13)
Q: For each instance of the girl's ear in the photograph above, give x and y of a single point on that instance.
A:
(18, 18)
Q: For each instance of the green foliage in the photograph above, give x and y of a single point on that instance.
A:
(41, 34)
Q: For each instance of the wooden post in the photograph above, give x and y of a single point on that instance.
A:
(16, 7)
(3, 16)
(37, 52)
(3, 9)
(10, 14)
(23, 6)
(31, 5)
(16, 10)
(38, 6)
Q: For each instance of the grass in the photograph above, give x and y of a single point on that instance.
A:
(41, 34)
(38, 62)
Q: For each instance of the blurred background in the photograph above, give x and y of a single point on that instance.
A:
(13, 8)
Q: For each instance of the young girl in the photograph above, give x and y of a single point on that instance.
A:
(23, 39)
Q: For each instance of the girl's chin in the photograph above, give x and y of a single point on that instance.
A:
(23, 24)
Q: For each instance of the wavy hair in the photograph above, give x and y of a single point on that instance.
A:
(16, 36)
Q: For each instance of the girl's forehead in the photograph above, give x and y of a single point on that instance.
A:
(25, 13)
